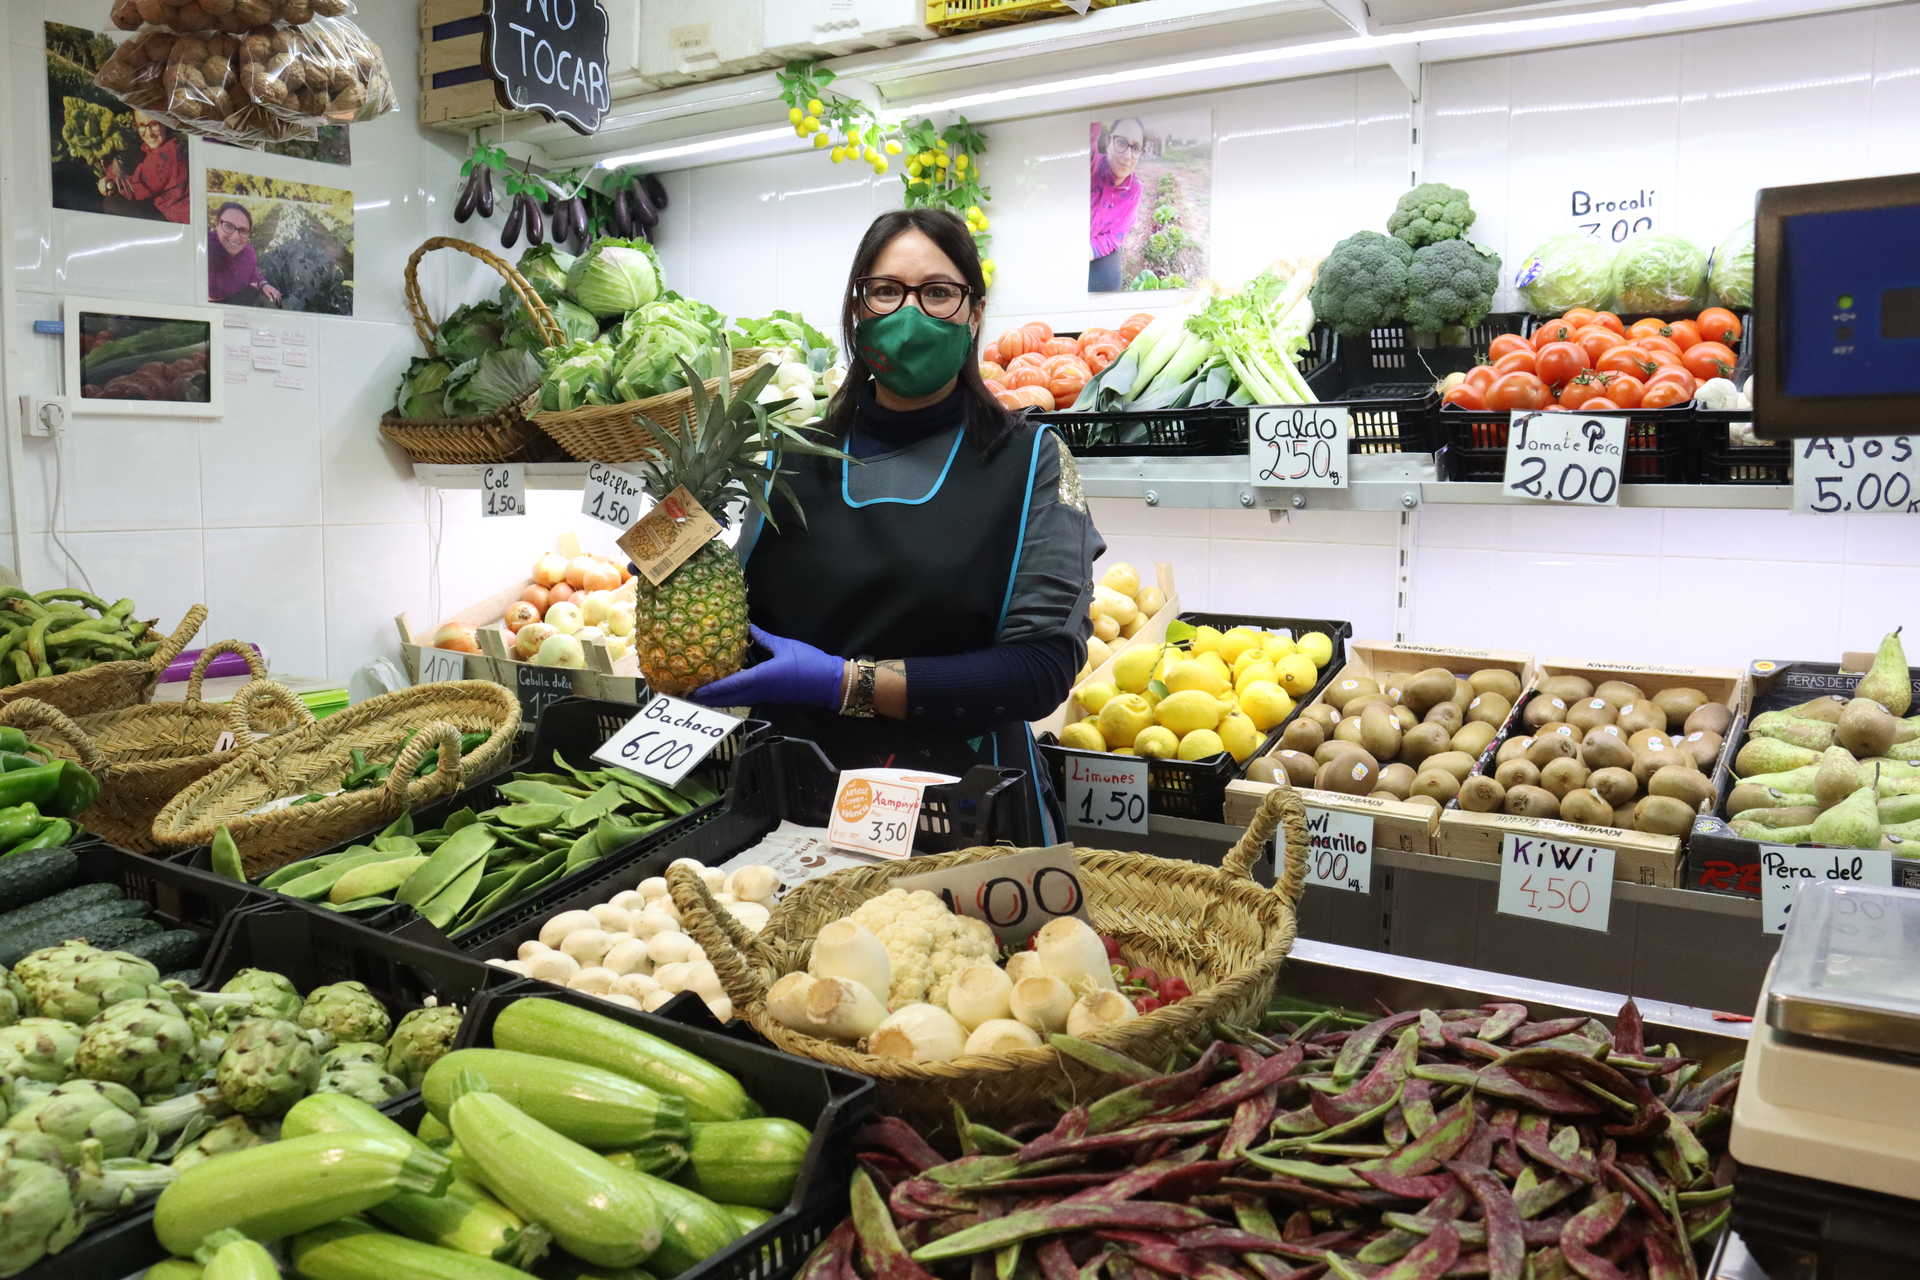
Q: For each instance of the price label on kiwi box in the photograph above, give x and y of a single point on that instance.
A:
(1339, 849)
(1565, 457)
(667, 739)
(1300, 446)
(1556, 880)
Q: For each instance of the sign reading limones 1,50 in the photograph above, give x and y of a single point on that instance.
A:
(1868, 474)
(1565, 457)
(1107, 791)
(1299, 446)
(611, 496)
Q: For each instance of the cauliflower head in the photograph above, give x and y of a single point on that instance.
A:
(1430, 213)
(1451, 283)
(927, 944)
(1363, 283)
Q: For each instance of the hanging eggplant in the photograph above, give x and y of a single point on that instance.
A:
(656, 191)
(486, 190)
(644, 211)
(536, 224)
(620, 215)
(469, 197)
(511, 235)
(582, 225)
(558, 211)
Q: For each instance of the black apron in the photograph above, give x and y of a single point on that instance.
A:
(912, 575)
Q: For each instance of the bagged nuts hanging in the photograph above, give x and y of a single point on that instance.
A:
(193, 83)
(232, 16)
(326, 72)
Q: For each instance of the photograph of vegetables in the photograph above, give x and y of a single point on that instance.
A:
(107, 157)
(133, 357)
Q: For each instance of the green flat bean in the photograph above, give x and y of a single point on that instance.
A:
(532, 791)
(294, 870)
(593, 808)
(445, 883)
(524, 816)
(319, 883)
(405, 846)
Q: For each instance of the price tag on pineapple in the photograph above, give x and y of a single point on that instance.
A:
(1565, 457)
(1785, 867)
(667, 739)
(1300, 446)
(503, 489)
(1339, 849)
(441, 664)
(1107, 791)
(611, 496)
(877, 811)
(1556, 880)
(1868, 474)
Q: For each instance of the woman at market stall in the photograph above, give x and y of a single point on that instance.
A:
(233, 270)
(1113, 197)
(929, 597)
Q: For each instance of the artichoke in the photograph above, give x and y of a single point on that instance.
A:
(37, 1214)
(268, 1064)
(16, 1144)
(272, 994)
(16, 1002)
(32, 966)
(103, 1184)
(356, 1069)
(235, 1133)
(38, 1049)
(78, 983)
(80, 1110)
(422, 1039)
(150, 1045)
(347, 1011)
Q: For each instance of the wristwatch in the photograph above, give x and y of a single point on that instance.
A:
(858, 702)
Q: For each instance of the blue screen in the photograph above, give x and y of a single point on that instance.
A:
(1850, 314)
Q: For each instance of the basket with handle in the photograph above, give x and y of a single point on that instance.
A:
(256, 796)
(144, 756)
(626, 432)
(1212, 926)
(505, 436)
(109, 686)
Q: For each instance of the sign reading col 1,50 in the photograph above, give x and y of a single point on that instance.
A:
(1565, 457)
(667, 739)
(1299, 447)
(503, 489)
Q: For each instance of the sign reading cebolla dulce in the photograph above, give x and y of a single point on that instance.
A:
(550, 56)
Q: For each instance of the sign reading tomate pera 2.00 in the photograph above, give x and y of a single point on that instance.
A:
(550, 56)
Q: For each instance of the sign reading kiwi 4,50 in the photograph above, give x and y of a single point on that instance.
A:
(550, 56)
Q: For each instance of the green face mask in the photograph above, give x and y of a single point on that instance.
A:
(910, 353)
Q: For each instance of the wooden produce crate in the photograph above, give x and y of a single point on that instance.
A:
(455, 90)
(1397, 824)
(1638, 857)
(951, 16)
(1153, 632)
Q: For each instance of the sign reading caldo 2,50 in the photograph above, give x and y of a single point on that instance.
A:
(1299, 447)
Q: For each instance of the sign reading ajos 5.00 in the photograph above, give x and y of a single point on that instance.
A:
(667, 739)
(550, 56)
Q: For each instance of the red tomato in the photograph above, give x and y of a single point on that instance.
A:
(1504, 343)
(1596, 341)
(1661, 342)
(1518, 390)
(1026, 376)
(1665, 359)
(1709, 360)
(1577, 316)
(1552, 331)
(1100, 354)
(1060, 347)
(1625, 390)
(1684, 332)
(1599, 404)
(1677, 376)
(1664, 395)
(1481, 377)
(1608, 320)
(1515, 362)
(995, 386)
(1465, 395)
(989, 370)
(1717, 324)
(1582, 389)
(1646, 327)
(1560, 361)
(1629, 358)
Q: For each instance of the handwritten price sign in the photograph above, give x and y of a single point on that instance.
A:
(667, 739)
(1015, 893)
(1339, 849)
(1565, 457)
(1300, 447)
(1556, 880)
(611, 496)
(1108, 792)
(503, 490)
(1784, 868)
(1868, 474)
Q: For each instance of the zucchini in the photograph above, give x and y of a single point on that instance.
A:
(172, 949)
(35, 874)
(593, 1107)
(660, 1158)
(465, 1219)
(752, 1162)
(355, 1251)
(175, 1269)
(692, 1227)
(433, 1131)
(556, 1029)
(231, 1256)
(596, 1212)
(85, 895)
(746, 1217)
(74, 924)
(292, 1185)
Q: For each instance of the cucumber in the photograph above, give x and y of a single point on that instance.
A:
(73, 924)
(65, 900)
(172, 949)
(114, 935)
(692, 1227)
(746, 1217)
(36, 874)
(596, 1212)
(355, 1251)
(290, 1186)
(593, 1107)
(556, 1029)
(752, 1162)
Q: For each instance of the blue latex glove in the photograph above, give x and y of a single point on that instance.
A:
(796, 675)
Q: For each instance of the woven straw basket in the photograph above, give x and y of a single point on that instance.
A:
(499, 437)
(240, 795)
(145, 756)
(109, 686)
(626, 432)
(1212, 926)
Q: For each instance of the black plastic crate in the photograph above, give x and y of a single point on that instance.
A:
(1659, 445)
(1393, 352)
(830, 1102)
(1391, 410)
(1723, 461)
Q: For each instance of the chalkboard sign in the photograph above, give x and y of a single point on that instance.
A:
(550, 56)
(539, 688)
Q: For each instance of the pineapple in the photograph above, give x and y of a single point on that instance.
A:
(692, 629)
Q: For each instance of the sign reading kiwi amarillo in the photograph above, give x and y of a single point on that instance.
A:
(1299, 446)
(550, 56)
(1565, 457)
(1556, 880)
(1339, 849)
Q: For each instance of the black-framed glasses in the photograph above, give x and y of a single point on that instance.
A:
(1126, 146)
(235, 227)
(941, 299)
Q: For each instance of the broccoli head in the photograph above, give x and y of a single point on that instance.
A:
(1451, 283)
(1363, 283)
(1430, 213)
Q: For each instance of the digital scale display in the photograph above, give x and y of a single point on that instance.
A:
(1900, 315)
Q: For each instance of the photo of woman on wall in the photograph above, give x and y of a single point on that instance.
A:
(233, 269)
(1113, 196)
(158, 183)
(1150, 188)
(107, 157)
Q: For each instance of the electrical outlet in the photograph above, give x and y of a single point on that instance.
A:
(43, 417)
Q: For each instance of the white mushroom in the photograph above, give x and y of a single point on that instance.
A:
(555, 966)
(627, 955)
(637, 985)
(1042, 1003)
(652, 921)
(1025, 964)
(980, 993)
(844, 949)
(555, 930)
(613, 919)
(629, 900)
(587, 945)
(724, 899)
(654, 888)
(705, 983)
(754, 884)
(1000, 1035)
(692, 864)
(624, 1001)
(752, 916)
(1098, 1010)
(1072, 952)
(714, 878)
(668, 948)
(919, 1033)
(531, 948)
(674, 977)
(656, 999)
(598, 980)
(721, 1009)
(511, 966)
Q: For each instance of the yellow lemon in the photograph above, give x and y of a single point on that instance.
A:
(1317, 647)
(838, 154)
(1196, 674)
(913, 169)
(1135, 667)
(1156, 742)
(795, 115)
(1123, 751)
(1237, 641)
(1254, 673)
(893, 147)
(1296, 673)
(1219, 664)
(1205, 640)
(1276, 647)
(1200, 744)
(815, 107)
(1123, 717)
(1123, 578)
(1239, 736)
(1266, 704)
(1095, 694)
(1082, 737)
(1187, 711)
(821, 140)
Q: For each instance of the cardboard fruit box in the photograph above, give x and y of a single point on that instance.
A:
(1639, 857)
(1397, 824)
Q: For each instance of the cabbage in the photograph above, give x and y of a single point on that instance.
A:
(545, 268)
(422, 388)
(1567, 271)
(648, 362)
(492, 382)
(578, 374)
(787, 331)
(614, 277)
(1730, 270)
(1659, 275)
(470, 332)
(577, 324)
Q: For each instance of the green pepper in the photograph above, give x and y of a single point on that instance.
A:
(74, 790)
(12, 760)
(20, 822)
(56, 833)
(12, 739)
(35, 786)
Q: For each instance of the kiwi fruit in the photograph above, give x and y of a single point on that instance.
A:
(1326, 715)
(1654, 757)
(1457, 763)
(1425, 740)
(1531, 802)
(1463, 693)
(1489, 708)
(1558, 729)
(1352, 775)
(1380, 732)
(1562, 776)
(1427, 690)
(1481, 794)
(1704, 746)
(1398, 779)
(1304, 734)
(1333, 748)
(1266, 769)
(1603, 731)
(1586, 807)
(1678, 703)
(1603, 752)
(1494, 680)
(1567, 688)
(1543, 708)
(1438, 783)
(1426, 802)
(1689, 786)
(1474, 738)
(1708, 717)
(1341, 692)
(1348, 730)
(1545, 751)
(1623, 817)
(1513, 748)
(1299, 768)
(1403, 715)
(1619, 692)
(1591, 714)
(1638, 716)
(1662, 816)
(1447, 716)
(1358, 706)
(1517, 773)
(1646, 738)
(1615, 785)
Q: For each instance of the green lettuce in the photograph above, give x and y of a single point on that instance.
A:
(577, 324)
(1730, 273)
(615, 276)
(578, 374)
(1659, 275)
(471, 332)
(787, 331)
(492, 382)
(1565, 272)
(422, 388)
(545, 268)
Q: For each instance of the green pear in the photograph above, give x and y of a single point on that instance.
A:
(1772, 835)
(1898, 809)
(1770, 755)
(1887, 681)
(1865, 728)
(1827, 708)
(1836, 778)
(1796, 781)
(1746, 796)
(1903, 831)
(1797, 815)
(1814, 735)
(1854, 823)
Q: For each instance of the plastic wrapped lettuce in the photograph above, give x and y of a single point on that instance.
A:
(577, 375)
(1564, 272)
(471, 332)
(614, 277)
(489, 384)
(1659, 275)
(423, 388)
(1730, 273)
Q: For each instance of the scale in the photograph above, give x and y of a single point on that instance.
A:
(1836, 308)
(1826, 1126)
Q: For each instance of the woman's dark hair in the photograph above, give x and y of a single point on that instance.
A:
(988, 424)
(237, 206)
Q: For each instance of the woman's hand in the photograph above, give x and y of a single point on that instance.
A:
(270, 293)
(796, 675)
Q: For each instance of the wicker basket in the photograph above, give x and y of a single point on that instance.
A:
(624, 432)
(1212, 926)
(499, 437)
(109, 686)
(251, 796)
